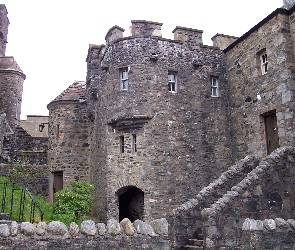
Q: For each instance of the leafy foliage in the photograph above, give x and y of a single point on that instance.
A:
(73, 201)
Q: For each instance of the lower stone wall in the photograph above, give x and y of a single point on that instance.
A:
(266, 192)
(268, 234)
(113, 236)
(38, 184)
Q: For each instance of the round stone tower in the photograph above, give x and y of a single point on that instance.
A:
(159, 111)
(68, 150)
(11, 76)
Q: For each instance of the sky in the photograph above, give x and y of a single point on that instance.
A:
(50, 39)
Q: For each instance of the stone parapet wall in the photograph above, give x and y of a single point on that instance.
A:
(113, 235)
(266, 192)
(268, 234)
(35, 179)
(186, 220)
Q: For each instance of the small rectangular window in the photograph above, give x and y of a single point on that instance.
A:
(124, 79)
(134, 145)
(122, 144)
(172, 82)
(214, 87)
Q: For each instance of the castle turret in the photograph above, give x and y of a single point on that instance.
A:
(148, 95)
(4, 22)
(11, 76)
(68, 137)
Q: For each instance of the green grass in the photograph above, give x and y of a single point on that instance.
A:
(46, 207)
(18, 195)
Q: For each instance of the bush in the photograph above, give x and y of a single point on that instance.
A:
(73, 201)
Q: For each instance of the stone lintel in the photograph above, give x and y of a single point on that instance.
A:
(127, 123)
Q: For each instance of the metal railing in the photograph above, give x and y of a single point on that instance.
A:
(17, 203)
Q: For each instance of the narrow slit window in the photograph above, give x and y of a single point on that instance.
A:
(172, 82)
(214, 87)
(57, 131)
(124, 79)
(134, 143)
(122, 144)
(264, 62)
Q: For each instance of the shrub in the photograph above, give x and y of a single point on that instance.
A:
(73, 201)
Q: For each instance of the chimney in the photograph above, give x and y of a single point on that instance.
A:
(223, 41)
(142, 28)
(190, 36)
(114, 34)
(288, 3)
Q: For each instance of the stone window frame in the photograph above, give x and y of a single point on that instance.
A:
(134, 143)
(124, 80)
(262, 61)
(122, 144)
(172, 81)
(215, 86)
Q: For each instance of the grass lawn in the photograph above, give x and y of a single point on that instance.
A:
(17, 202)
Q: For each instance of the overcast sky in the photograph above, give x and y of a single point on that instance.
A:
(50, 39)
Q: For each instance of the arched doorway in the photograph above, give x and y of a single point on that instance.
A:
(131, 203)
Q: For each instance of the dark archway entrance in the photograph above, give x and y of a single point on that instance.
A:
(131, 203)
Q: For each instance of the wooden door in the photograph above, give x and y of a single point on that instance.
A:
(271, 132)
(57, 183)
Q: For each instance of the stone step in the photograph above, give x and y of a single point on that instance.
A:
(193, 247)
(195, 242)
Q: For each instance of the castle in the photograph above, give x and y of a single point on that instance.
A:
(159, 120)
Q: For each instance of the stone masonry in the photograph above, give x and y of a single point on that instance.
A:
(160, 126)
(176, 132)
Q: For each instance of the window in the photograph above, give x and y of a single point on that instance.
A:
(214, 87)
(134, 145)
(172, 82)
(122, 144)
(263, 61)
(124, 79)
(57, 132)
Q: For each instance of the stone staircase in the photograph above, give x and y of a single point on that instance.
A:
(194, 243)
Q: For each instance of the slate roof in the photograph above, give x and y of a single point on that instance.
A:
(74, 92)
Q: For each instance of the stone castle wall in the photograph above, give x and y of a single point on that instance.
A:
(68, 140)
(179, 135)
(55, 235)
(276, 87)
(268, 234)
